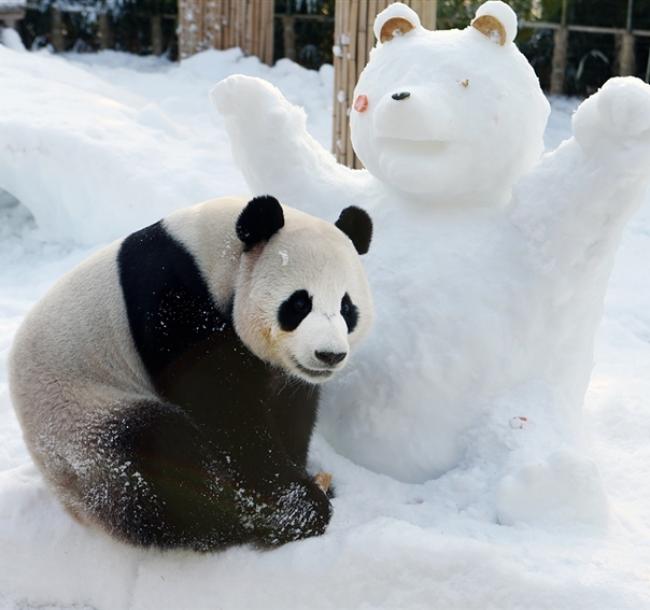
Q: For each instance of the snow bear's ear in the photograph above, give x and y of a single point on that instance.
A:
(497, 21)
(395, 20)
(259, 221)
(357, 225)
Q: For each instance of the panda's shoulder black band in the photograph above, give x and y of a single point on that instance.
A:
(168, 303)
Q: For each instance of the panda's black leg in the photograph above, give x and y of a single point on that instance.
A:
(288, 503)
(160, 481)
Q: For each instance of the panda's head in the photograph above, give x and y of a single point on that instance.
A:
(302, 299)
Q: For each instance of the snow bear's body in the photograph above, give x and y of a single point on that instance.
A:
(166, 386)
(491, 264)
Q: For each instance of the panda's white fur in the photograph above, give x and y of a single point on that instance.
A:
(294, 258)
(76, 370)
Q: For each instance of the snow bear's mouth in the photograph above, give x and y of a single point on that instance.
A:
(418, 148)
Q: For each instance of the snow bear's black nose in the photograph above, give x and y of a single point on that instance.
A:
(402, 95)
(331, 358)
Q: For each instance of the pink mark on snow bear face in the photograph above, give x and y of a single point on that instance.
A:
(361, 103)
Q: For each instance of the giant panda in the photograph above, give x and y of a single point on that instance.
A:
(167, 387)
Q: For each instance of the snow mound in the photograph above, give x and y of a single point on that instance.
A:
(565, 488)
(133, 161)
(10, 38)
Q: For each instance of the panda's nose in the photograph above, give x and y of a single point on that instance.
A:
(331, 358)
(400, 95)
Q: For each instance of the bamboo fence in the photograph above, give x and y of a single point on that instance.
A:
(353, 39)
(222, 24)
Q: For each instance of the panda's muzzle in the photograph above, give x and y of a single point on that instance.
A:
(330, 358)
(322, 373)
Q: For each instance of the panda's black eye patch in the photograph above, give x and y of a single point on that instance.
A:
(350, 312)
(294, 310)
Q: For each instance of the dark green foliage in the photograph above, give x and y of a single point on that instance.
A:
(313, 27)
(129, 20)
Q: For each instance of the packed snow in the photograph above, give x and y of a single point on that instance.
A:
(94, 146)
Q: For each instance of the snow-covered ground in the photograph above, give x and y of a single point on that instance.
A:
(93, 146)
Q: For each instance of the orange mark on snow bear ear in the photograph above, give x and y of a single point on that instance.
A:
(491, 27)
(394, 26)
(361, 103)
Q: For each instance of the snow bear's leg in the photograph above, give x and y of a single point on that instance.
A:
(149, 475)
(273, 148)
(574, 204)
(562, 489)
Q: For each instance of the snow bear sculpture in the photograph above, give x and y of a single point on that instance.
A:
(167, 387)
(491, 262)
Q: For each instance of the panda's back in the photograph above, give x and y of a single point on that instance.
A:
(112, 330)
(73, 357)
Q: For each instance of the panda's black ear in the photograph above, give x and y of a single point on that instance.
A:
(259, 221)
(357, 225)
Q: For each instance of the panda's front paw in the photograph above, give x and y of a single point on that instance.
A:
(563, 489)
(298, 510)
(618, 114)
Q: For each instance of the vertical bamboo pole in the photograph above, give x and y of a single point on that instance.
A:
(337, 58)
(156, 35)
(217, 26)
(342, 94)
(351, 59)
(363, 34)
(249, 38)
(268, 21)
(57, 36)
(370, 39)
(626, 59)
(429, 14)
(104, 34)
(559, 59)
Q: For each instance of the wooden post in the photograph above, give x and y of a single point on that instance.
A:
(560, 47)
(353, 41)
(222, 24)
(626, 59)
(104, 34)
(57, 35)
(289, 37)
(156, 35)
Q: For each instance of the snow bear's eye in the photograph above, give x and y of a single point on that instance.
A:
(294, 310)
(349, 312)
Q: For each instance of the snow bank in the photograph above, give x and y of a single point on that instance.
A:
(391, 545)
(136, 152)
(11, 39)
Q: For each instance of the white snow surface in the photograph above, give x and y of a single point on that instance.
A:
(94, 146)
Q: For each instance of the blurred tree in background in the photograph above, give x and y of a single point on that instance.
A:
(304, 31)
(129, 22)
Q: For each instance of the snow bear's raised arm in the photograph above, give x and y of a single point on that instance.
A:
(273, 149)
(575, 202)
